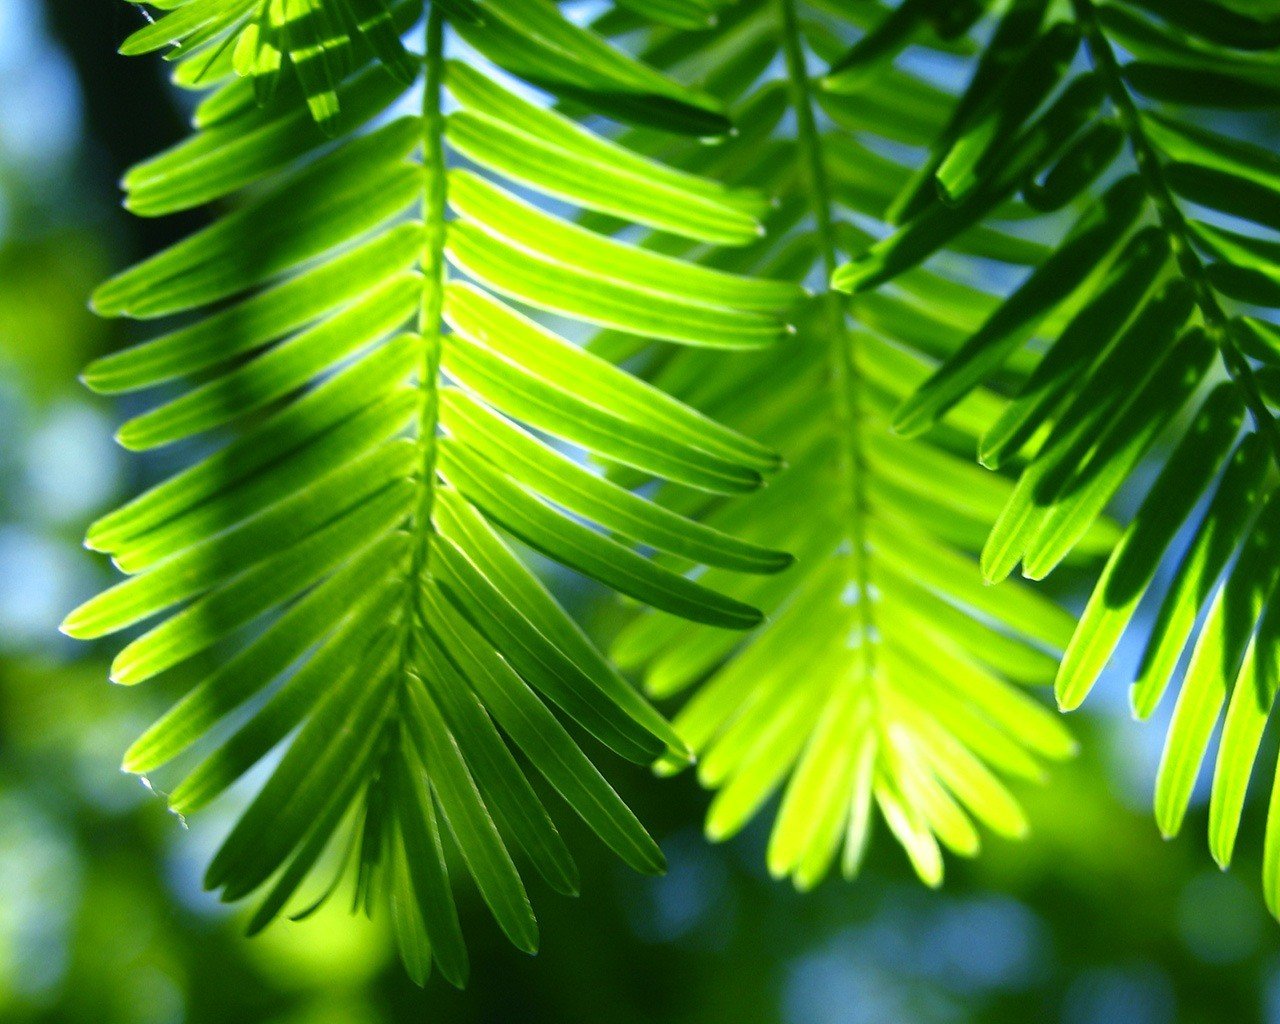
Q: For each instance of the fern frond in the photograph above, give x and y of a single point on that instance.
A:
(374, 445)
(888, 681)
(1151, 329)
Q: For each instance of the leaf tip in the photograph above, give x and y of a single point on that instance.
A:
(717, 829)
(104, 303)
(781, 561)
(653, 862)
(1068, 700)
(129, 438)
(122, 671)
(994, 568)
(911, 419)
(133, 762)
(529, 939)
(845, 279)
(1035, 569)
(1140, 705)
(75, 625)
(1168, 819)
(90, 379)
(989, 459)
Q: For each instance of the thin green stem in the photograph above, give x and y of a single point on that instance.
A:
(1174, 224)
(432, 264)
(846, 382)
(433, 275)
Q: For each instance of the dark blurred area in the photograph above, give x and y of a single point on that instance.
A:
(1093, 920)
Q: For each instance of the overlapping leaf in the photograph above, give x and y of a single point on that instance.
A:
(888, 682)
(374, 439)
(1151, 332)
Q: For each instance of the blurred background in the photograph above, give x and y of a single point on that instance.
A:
(1094, 920)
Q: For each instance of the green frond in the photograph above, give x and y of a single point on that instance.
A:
(888, 681)
(369, 368)
(1150, 337)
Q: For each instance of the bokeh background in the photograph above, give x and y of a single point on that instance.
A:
(1095, 920)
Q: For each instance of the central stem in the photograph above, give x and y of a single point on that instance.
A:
(846, 383)
(1174, 224)
(433, 279)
